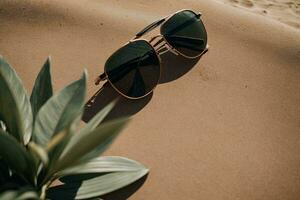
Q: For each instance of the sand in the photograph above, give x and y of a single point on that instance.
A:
(285, 11)
(223, 127)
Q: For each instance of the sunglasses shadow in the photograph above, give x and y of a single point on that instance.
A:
(173, 66)
(123, 108)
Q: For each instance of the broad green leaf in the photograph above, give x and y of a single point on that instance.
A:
(9, 195)
(90, 126)
(104, 164)
(19, 195)
(2, 126)
(98, 118)
(108, 183)
(60, 111)
(56, 152)
(39, 152)
(54, 147)
(42, 89)
(28, 195)
(61, 142)
(97, 186)
(100, 138)
(56, 140)
(4, 172)
(15, 109)
(16, 156)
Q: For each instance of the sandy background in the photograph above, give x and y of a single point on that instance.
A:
(224, 127)
(285, 11)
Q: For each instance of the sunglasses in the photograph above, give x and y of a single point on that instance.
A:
(134, 69)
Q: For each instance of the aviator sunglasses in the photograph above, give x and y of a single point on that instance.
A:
(134, 69)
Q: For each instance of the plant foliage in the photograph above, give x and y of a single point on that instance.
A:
(40, 142)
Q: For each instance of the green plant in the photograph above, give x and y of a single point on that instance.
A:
(40, 141)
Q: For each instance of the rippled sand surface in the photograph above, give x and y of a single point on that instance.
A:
(225, 127)
(286, 11)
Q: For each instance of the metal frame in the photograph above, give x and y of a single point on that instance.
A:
(160, 46)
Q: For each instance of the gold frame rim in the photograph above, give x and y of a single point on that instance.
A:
(173, 48)
(159, 59)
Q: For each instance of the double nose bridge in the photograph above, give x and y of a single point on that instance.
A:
(160, 45)
(157, 41)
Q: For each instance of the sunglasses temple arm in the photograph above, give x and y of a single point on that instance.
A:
(150, 27)
(92, 100)
(205, 50)
(100, 78)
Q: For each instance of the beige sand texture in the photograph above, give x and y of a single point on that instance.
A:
(226, 127)
(286, 11)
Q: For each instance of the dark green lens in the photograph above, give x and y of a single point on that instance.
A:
(186, 33)
(134, 69)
